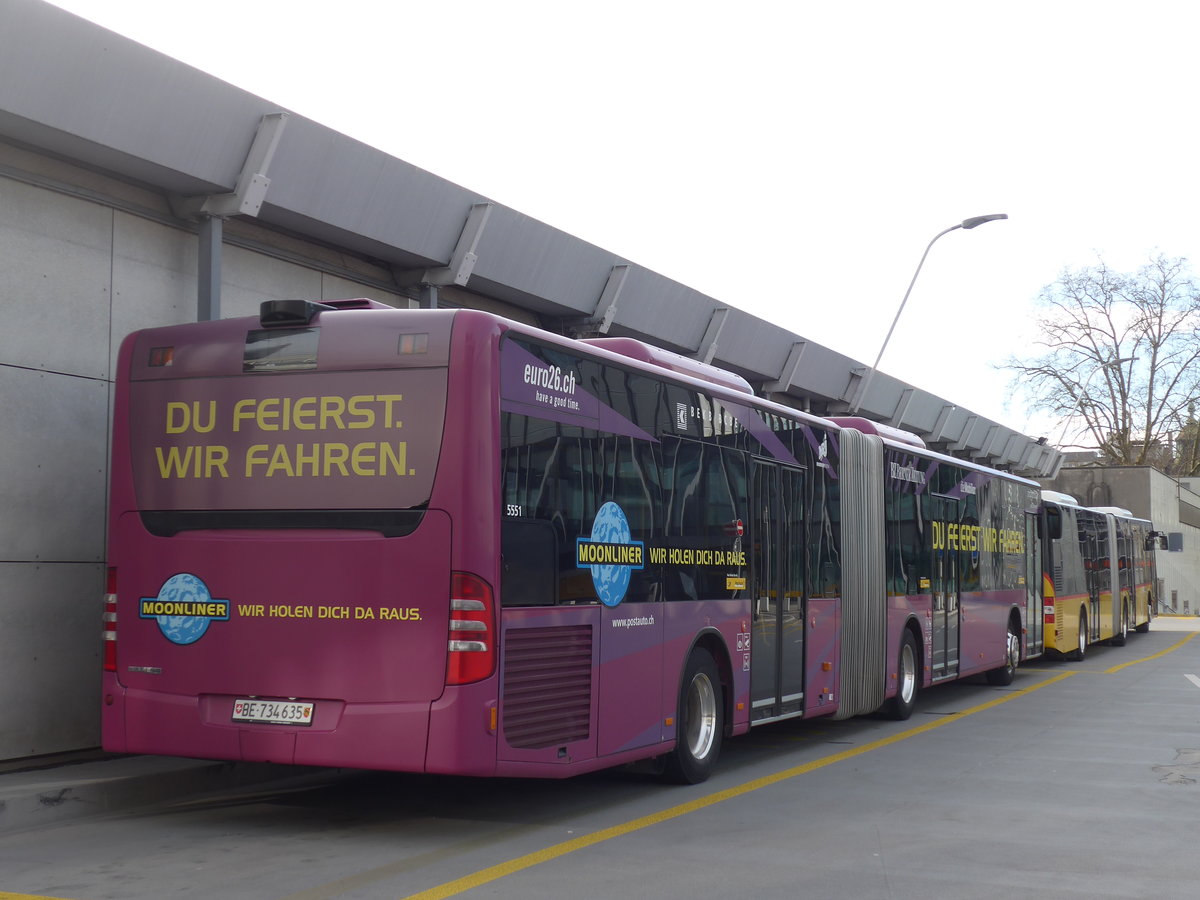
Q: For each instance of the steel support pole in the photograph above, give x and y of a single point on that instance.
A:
(208, 269)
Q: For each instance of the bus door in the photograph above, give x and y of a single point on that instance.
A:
(1035, 619)
(945, 587)
(777, 591)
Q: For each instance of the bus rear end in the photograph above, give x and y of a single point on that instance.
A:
(281, 586)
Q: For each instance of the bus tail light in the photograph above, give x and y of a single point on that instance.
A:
(161, 356)
(472, 635)
(1048, 612)
(110, 621)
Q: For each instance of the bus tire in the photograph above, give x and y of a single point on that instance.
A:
(1145, 626)
(1005, 674)
(908, 680)
(1118, 639)
(700, 721)
(1080, 650)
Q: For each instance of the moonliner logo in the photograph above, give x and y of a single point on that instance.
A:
(610, 554)
(907, 473)
(593, 553)
(183, 608)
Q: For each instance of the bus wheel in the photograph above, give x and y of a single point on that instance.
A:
(908, 680)
(1145, 626)
(1012, 658)
(700, 721)
(1081, 651)
(1118, 639)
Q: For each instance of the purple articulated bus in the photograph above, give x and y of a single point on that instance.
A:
(343, 534)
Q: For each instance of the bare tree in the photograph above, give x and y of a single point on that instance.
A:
(1122, 363)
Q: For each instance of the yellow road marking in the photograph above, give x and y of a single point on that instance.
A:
(5, 895)
(1134, 662)
(493, 873)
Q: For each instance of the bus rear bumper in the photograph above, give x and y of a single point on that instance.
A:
(385, 736)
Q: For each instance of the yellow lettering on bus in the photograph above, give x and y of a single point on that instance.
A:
(256, 455)
(178, 416)
(243, 409)
(303, 411)
(397, 461)
(336, 456)
(280, 462)
(389, 400)
(310, 460)
(266, 414)
(215, 458)
(173, 464)
(183, 417)
(364, 416)
(331, 411)
(194, 461)
(362, 459)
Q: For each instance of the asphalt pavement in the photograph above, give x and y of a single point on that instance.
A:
(44, 791)
(49, 790)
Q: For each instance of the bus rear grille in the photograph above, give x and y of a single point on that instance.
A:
(547, 686)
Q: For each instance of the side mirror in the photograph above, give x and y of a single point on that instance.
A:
(1156, 540)
(1054, 525)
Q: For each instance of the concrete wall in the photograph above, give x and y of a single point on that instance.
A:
(83, 261)
(1151, 495)
(1177, 569)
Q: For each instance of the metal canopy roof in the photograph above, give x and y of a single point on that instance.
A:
(115, 105)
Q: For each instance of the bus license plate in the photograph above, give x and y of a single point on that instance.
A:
(273, 712)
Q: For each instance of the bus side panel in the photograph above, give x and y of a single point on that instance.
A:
(1143, 608)
(462, 730)
(1109, 611)
(824, 656)
(901, 609)
(984, 629)
(548, 662)
(1063, 637)
(632, 688)
(613, 696)
(684, 622)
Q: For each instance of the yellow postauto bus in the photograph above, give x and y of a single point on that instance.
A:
(1098, 574)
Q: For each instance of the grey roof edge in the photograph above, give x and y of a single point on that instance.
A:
(120, 107)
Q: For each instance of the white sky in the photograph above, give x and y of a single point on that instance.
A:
(791, 158)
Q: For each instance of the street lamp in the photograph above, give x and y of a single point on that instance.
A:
(966, 225)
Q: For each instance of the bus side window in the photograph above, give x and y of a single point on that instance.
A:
(529, 563)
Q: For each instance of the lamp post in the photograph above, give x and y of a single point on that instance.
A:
(966, 225)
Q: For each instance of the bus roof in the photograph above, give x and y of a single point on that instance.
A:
(1059, 498)
(674, 362)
